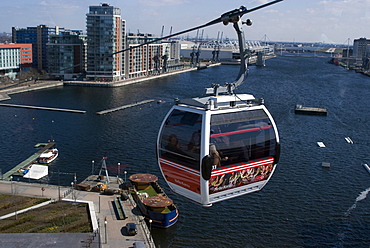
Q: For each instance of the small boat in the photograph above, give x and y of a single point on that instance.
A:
(299, 109)
(48, 156)
(349, 140)
(157, 208)
(321, 144)
(367, 167)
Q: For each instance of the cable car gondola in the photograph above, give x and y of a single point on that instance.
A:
(222, 145)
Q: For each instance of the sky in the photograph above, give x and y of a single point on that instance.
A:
(328, 21)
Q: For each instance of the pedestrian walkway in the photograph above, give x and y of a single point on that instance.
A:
(112, 231)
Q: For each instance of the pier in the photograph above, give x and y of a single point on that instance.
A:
(299, 109)
(123, 107)
(42, 108)
(26, 163)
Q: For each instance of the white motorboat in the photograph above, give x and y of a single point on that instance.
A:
(48, 156)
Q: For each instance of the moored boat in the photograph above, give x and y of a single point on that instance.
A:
(152, 201)
(48, 156)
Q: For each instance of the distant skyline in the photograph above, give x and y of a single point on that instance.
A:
(328, 21)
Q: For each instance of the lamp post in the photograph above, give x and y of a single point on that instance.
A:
(92, 167)
(118, 172)
(99, 232)
(105, 229)
(72, 190)
(11, 184)
(125, 177)
(150, 225)
(59, 198)
(75, 181)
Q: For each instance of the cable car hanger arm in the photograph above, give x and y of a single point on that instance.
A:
(226, 17)
(233, 16)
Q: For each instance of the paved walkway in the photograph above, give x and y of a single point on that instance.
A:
(112, 231)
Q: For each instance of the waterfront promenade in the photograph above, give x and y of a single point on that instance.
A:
(109, 232)
(43, 84)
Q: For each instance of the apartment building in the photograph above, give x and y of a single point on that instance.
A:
(38, 36)
(14, 58)
(67, 55)
(105, 33)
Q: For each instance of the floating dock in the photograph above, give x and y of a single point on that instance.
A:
(26, 164)
(299, 109)
(43, 108)
(123, 107)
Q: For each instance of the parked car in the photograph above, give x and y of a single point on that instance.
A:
(139, 244)
(131, 229)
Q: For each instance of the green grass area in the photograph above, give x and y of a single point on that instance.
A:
(149, 190)
(55, 217)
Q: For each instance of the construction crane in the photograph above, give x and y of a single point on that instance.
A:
(197, 54)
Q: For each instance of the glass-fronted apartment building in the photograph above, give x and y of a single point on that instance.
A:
(105, 33)
(67, 55)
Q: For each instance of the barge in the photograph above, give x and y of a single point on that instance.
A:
(157, 208)
(299, 109)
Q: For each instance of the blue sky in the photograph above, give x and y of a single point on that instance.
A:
(330, 21)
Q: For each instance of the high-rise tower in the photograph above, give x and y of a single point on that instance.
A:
(104, 38)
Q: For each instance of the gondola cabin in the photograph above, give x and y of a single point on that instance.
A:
(215, 148)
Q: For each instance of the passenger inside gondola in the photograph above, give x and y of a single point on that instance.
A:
(173, 145)
(243, 140)
(194, 143)
(215, 155)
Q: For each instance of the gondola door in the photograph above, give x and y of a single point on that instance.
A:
(180, 147)
(244, 150)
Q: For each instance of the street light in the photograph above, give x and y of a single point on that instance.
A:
(150, 225)
(92, 167)
(118, 165)
(72, 190)
(11, 184)
(125, 177)
(105, 229)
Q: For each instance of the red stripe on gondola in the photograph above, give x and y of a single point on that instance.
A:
(223, 171)
(181, 175)
(240, 131)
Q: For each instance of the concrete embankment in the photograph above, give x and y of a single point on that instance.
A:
(4, 93)
(126, 81)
